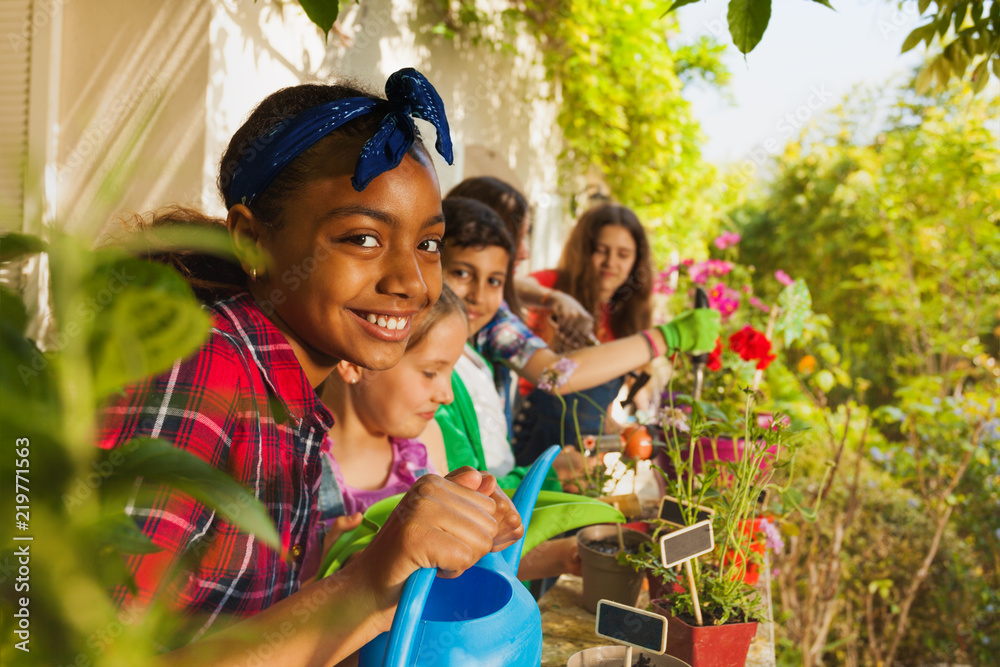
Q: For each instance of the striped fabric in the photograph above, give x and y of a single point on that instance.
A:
(243, 404)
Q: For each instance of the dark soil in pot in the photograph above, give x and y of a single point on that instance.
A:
(610, 547)
(603, 577)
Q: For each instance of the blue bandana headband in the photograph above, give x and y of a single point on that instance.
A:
(410, 95)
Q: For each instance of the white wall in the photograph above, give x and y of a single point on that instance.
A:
(145, 96)
(131, 98)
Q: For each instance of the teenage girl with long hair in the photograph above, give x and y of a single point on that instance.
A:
(605, 265)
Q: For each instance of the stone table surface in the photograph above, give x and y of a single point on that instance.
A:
(567, 627)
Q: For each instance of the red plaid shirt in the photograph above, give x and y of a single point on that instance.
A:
(243, 404)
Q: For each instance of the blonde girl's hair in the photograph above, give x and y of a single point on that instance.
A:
(447, 304)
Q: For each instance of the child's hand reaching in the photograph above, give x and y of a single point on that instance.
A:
(336, 530)
(339, 526)
(570, 466)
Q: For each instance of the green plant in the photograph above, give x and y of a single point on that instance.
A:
(718, 450)
(116, 319)
(732, 488)
(898, 219)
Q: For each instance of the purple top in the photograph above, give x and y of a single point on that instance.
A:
(409, 461)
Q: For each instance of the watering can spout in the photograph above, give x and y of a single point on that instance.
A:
(525, 498)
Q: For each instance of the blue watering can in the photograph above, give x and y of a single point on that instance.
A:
(484, 618)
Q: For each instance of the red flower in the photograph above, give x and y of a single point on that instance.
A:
(752, 345)
(765, 361)
(715, 358)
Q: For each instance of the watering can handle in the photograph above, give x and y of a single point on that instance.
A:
(403, 633)
(525, 498)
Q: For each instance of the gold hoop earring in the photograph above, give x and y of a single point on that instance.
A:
(253, 273)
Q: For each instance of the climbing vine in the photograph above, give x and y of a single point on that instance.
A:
(619, 78)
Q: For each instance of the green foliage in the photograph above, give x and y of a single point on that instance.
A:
(133, 337)
(967, 31)
(900, 231)
(322, 12)
(619, 82)
(622, 112)
(115, 319)
(897, 226)
(748, 20)
(968, 36)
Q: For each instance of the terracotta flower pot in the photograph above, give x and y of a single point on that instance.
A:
(707, 645)
(614, 656)
(603, 577)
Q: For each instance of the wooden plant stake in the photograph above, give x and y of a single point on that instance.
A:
(694, 592)
(632, 627)
(683, 545)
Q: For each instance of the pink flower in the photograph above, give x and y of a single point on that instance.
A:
(760, 305)
(783, 278)
(772, 422)
(724, 300)
(773, 536)
(701, 271)
(556, 375)
(726, 239)
(673, 418)
(661, 283)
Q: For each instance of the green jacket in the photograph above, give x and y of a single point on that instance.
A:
(463, 444)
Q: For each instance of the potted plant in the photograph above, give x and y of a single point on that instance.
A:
(716, 450)
(607, 575)
(727, 603)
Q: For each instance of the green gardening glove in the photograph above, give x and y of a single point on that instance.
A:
(693, 331)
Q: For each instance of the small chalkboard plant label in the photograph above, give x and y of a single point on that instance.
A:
(686, 543)
(681, 546)
(632, 627)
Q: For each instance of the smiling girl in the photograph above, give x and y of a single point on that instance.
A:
(373, 448)
(335, 218)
